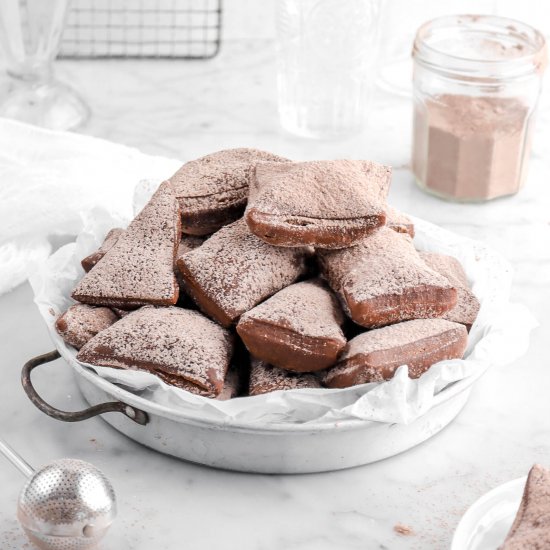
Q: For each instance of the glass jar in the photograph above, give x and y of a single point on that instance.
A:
(477, 80)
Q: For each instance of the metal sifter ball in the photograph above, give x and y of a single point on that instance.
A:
(67, 505)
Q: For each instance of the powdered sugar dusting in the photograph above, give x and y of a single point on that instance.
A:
(110, 240)
(467, 305)
(266, 378)
(81, 322)
(397, 335)
(236, 270)
(307, 308)
(328, 189)
(384, 263)
(212, 190)
(326, 204)
(139, 268)
(170, 340)
(220, 172)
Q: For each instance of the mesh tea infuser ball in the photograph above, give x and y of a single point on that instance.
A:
(67, 505)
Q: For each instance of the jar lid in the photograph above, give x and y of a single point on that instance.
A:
(480, 48)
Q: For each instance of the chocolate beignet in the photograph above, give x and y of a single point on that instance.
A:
(188, 243)
(266, 378)
(399, 222)
(212, 191)
(231, 385)
(182, 347)
(139, 268)
(467, 305)
(531, 527)
(296, 329)
(230, 389)
(81, 323)
(110, 239)
(383, 280)
(234, 270)
(375, 355)
(327, 204)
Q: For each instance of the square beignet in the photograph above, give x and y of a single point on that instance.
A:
(266, 378)
(234, 270)
(139, 268)
(467, 305)
(383, 280)
(110, 240)
(179, 345)
(212, 191)
(326, 204)
(375, 355)
(298, 328)
(81, 323)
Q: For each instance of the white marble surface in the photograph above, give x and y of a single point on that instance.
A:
(188, 109)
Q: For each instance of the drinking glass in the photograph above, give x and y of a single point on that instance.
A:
(30, 34)
(326, 52)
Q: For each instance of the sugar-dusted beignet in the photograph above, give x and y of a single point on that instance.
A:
(531, 527)
(266, 378)
(383, 280)
(212, 191)
(467, 305)
(121, 312)
(139, 268)
(231, 385)
(327, 204)
(230, 389)
(296, 329)
(81, 323)
(376, 354)
(110, 239)
(181, 346)
(399, 222)
(234, 270)
(188, 243)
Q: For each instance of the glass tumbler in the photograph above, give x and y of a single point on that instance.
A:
(326, 53)
(30, 35)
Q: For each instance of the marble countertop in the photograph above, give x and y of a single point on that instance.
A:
(185, 110)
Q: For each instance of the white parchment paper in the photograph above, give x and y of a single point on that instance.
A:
(499, 336)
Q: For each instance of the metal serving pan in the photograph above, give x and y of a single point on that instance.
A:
(273, 449)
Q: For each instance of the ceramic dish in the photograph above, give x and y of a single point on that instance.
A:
(486, 523)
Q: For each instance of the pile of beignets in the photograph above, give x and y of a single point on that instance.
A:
(248, 273)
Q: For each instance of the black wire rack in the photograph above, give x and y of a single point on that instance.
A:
(184, 29)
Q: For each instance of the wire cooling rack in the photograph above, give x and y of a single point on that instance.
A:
(188, 29)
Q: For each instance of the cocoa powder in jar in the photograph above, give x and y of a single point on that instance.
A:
(471, 147)
(477, 79)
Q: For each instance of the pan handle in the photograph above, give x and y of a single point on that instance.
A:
(132, 413)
